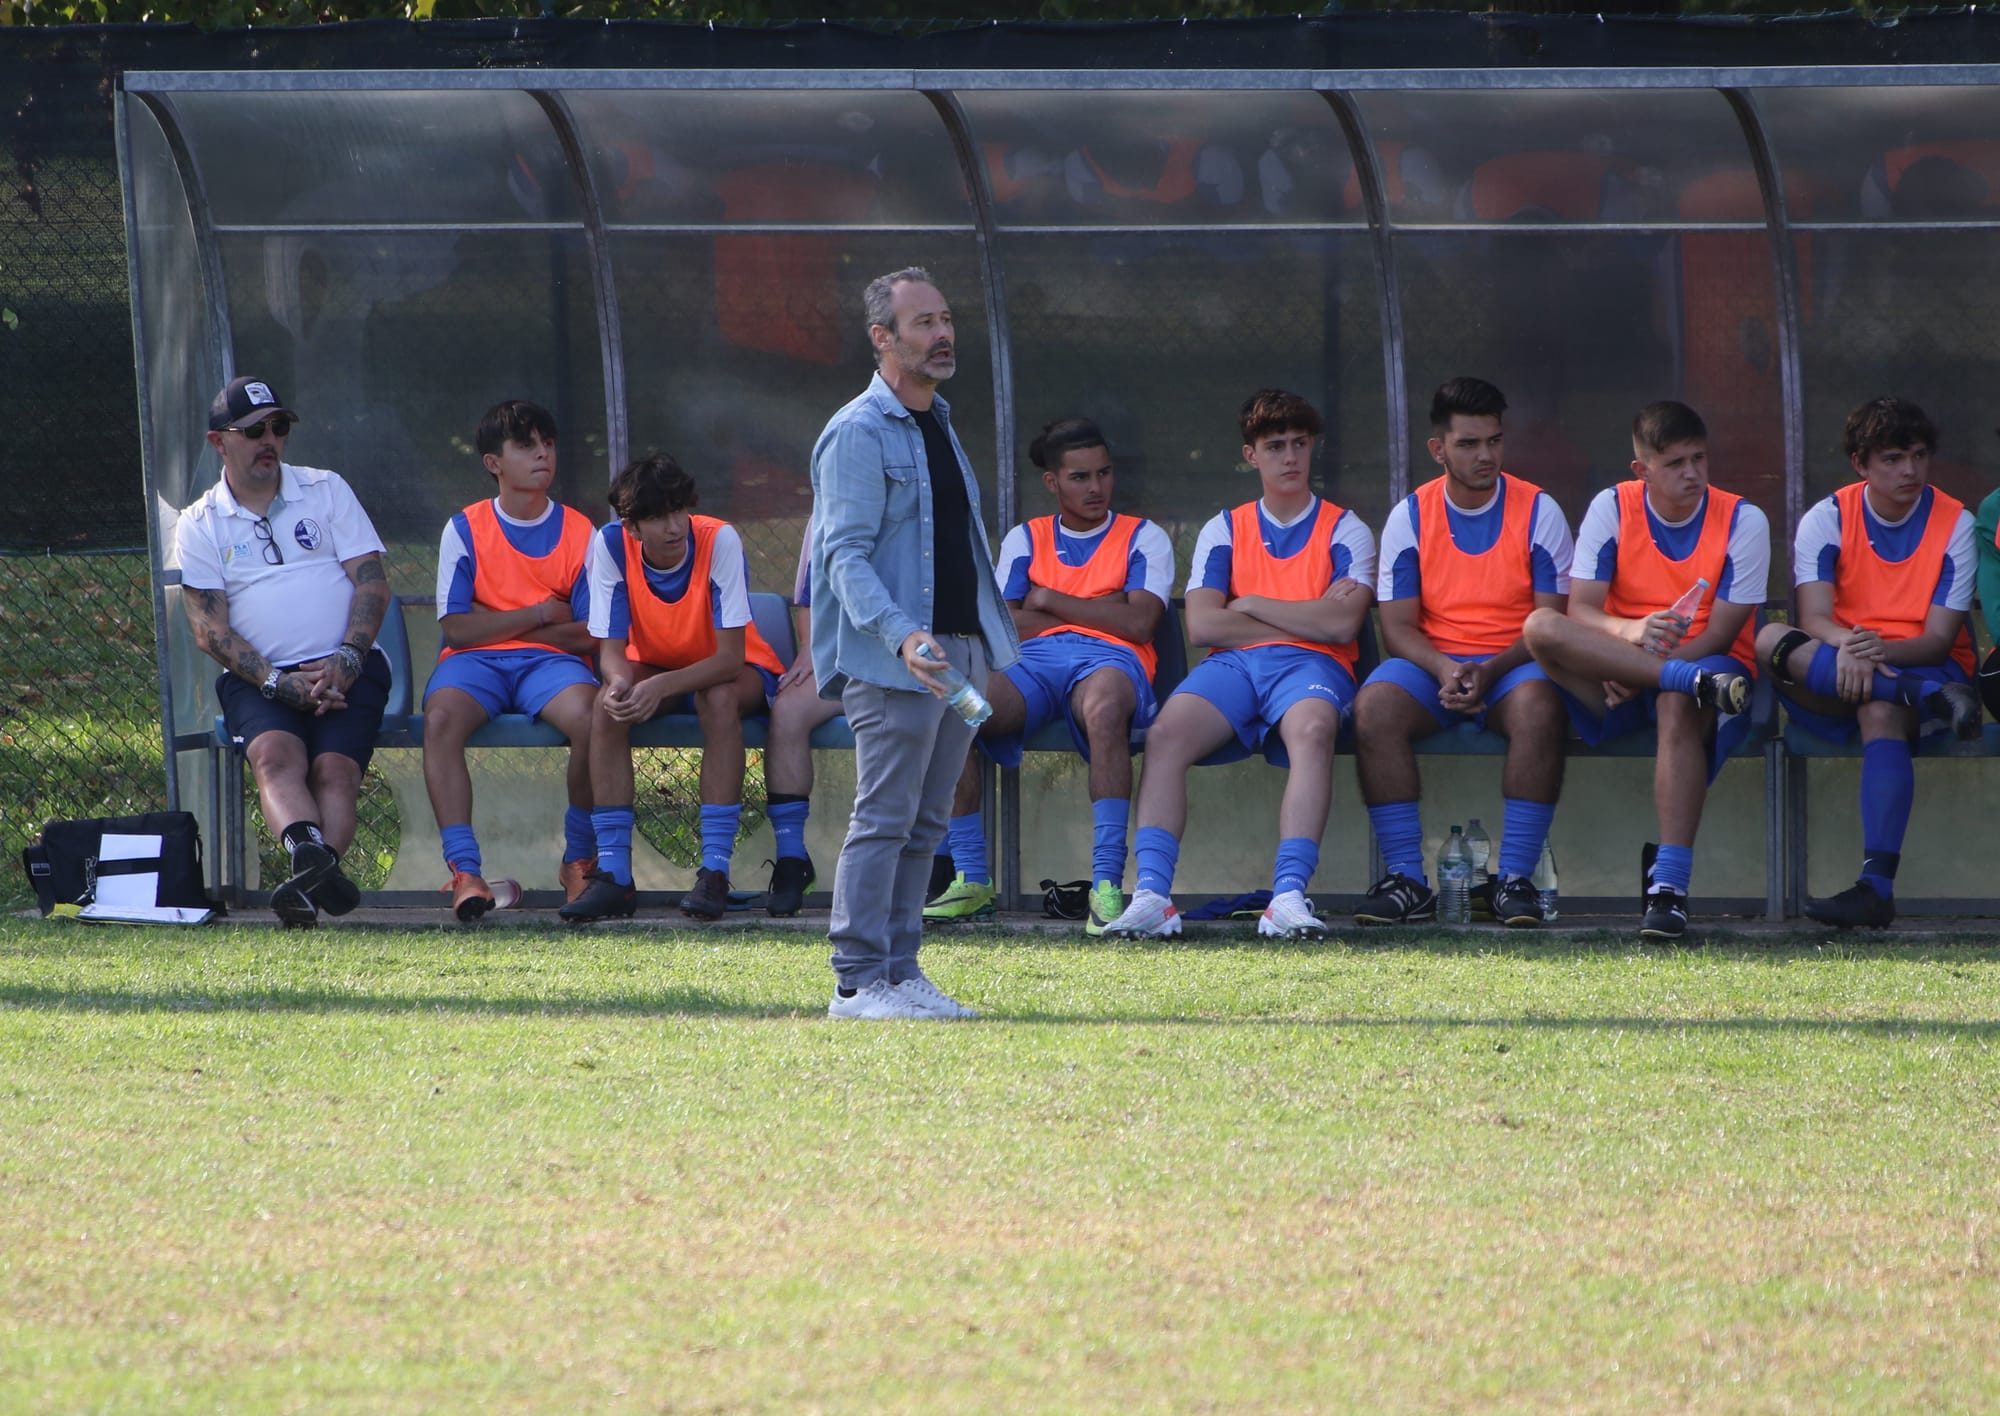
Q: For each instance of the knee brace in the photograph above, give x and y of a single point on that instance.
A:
(1793, 639)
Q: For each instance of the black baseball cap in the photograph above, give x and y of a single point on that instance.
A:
(245, 400)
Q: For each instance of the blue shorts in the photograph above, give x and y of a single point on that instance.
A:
(1846, 727)
(247, 714)
(1416, 681)
(1049, 672)
(1641, 711)
(1254, 688)
(509, 680)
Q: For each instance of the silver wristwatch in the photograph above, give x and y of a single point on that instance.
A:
(269, 687)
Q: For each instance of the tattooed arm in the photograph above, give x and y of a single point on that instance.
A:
(208, 618)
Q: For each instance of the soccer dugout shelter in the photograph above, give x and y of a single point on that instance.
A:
(673, 259)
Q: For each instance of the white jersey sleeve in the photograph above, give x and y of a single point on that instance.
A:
(1963, 557)
(454, 565)
(1151, 562)
(1816, 547)
(1353, 550)
(1596, 556)
(607, 584)
(1553, 550)
(1396, 576)
(1010, 571)
(1749, 556)
(1214, 549)
(729, 573)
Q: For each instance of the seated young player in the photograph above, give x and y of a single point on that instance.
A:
(1624, 659)
(670, 609)
(788, 766)
(1087, 587)
(1884, 569)
(512, 600)
(1278, 590)
(1466, 558)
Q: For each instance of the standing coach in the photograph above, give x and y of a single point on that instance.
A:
(899, 561)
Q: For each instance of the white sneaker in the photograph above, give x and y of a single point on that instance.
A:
(1290, 916)
(879, 1001)
(1149, 916)
(929, 1000)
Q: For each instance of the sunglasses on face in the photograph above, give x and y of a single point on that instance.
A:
(272, 555)
(279, 427)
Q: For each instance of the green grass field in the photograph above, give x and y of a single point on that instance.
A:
(515, 1169)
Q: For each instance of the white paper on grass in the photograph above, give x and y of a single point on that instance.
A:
(128, 891)
(145, 914)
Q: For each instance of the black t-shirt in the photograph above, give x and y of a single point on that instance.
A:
(955, 599)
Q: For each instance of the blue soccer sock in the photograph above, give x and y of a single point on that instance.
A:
(461, 848)
(1399, 831)
(1673, 868)
(965, 838)
(788, 823)
(1108, 821)
(1158, 852)
(718, 835)
(613, 825)
(1888, 787)
(1678, 676)
(1524, 830)
(579, 839)
(1298, 858)
(1822, 678)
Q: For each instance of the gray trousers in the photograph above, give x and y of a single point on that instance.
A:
(909, 748)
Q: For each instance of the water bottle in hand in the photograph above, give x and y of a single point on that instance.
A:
(965, 700)
(1685, 609)
(1455, 880)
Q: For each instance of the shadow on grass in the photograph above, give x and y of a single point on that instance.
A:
(684, 1002)
(689, 1002)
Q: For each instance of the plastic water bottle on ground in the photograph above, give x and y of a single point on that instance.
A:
(506, 893)
(1544, 882)
(965, 700)
(1455, 880)
(1481, 846)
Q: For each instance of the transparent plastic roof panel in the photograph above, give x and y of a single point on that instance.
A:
(377, 159)
(1569, 157)
(1914, 156)
(1164, 159)
(760, 158)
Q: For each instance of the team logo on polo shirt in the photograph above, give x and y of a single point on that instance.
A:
(307, 533)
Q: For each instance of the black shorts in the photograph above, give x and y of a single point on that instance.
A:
(248, 714)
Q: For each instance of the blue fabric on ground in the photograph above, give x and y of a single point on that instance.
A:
(461, 848)
(1250, 903)
(1158, 852)
(1524, 830)
(1399, 831)
(613, 825)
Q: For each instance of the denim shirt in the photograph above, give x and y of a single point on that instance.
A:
(872, 531)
